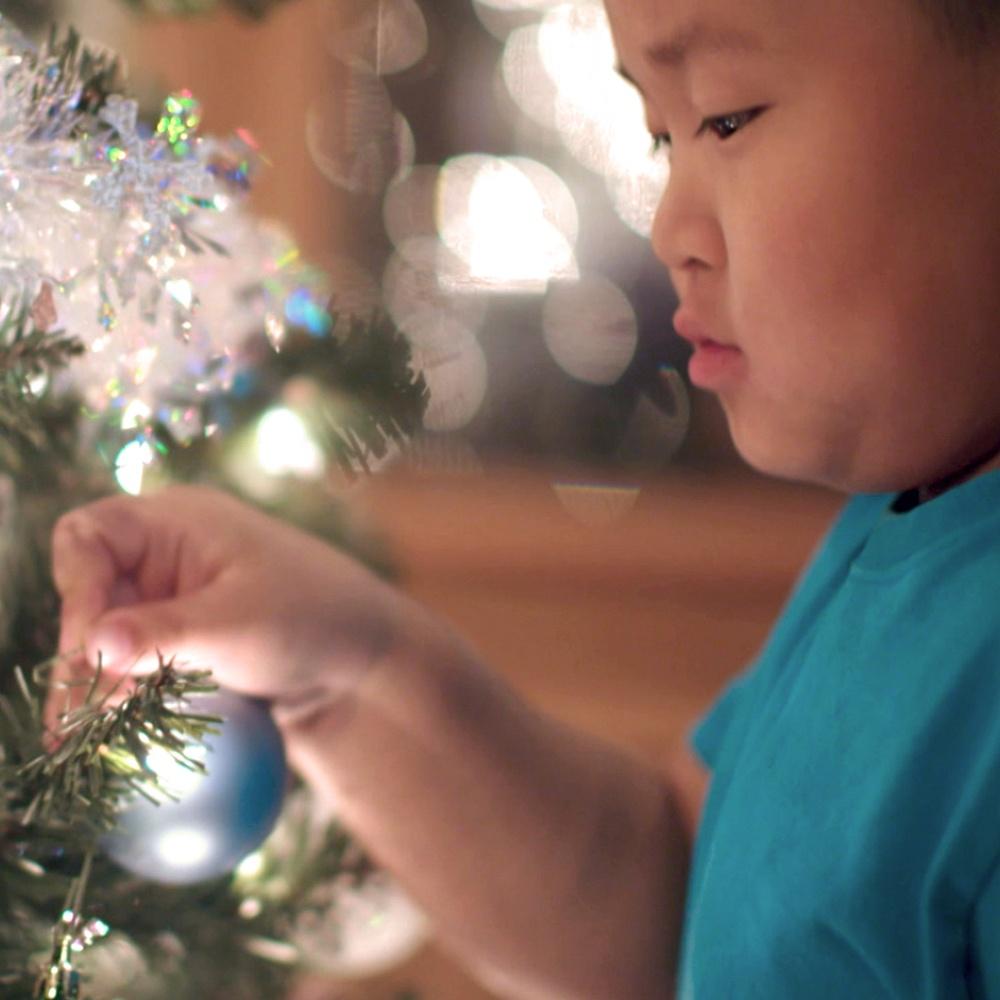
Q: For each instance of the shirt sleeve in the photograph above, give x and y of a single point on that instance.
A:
(985, 942)
(721, 732)
(721, 725)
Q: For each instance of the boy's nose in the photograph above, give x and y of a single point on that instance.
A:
(686, 231)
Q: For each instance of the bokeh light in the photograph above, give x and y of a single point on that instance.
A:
(457, 377)
(561, 73)
(590, 329)
(423, 288)
(408, 209)
(495, 218)
(284, 446)
(526, 77)
(385, 37)
(353, 289)
(131, 465)
(356, 138)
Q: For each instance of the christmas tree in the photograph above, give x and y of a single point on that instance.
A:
(151, 331)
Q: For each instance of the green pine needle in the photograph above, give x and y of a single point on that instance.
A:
(99, 757)
(68, 81)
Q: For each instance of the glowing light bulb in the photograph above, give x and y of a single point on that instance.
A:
(284, 445)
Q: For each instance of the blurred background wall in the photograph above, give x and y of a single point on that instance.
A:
(477, 167)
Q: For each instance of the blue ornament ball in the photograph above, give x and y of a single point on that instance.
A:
(220, 816)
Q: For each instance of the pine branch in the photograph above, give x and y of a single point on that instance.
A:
(28, 347)
(77, 788)
(84, 75)
(367, 364)
(370, 396)
(35, 427)
(65, 83)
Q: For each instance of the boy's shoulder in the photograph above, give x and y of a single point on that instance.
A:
(955, 534)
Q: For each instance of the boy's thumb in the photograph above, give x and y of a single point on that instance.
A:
(126, 638)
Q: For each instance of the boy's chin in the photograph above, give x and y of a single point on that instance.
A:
(815, 468)
(785, 455)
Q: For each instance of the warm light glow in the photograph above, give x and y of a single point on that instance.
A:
(558, 204)
(496, 220)
(561, 73)
(284, 445)
(577, 50)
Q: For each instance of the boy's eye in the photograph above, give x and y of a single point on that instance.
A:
(726, 126)
(721, 126)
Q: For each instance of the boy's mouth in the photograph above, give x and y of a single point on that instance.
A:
(714, 364)
(694, 331)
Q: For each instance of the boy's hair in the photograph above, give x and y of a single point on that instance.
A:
(968, 22)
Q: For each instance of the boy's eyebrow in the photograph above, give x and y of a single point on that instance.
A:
(694, 37)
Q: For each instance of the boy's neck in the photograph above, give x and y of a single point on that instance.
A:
(922, 494)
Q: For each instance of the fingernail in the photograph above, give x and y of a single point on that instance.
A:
(113, 643)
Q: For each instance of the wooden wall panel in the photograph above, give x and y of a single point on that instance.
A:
(259, 76)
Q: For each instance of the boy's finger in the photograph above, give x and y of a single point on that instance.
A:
(89, 557)
(131, 638)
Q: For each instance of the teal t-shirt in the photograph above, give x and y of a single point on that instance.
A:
(850, 841)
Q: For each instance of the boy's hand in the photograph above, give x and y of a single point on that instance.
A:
(192, 573)
(534, 849)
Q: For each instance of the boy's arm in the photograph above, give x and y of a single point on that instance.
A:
(553, 864)
(547, 859)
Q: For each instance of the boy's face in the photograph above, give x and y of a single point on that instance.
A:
(842, 236)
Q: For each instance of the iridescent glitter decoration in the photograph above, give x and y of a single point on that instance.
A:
(179, 122)
(136, 240)
(73, 934)
(144, 178)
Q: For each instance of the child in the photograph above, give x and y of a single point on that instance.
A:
(832, 226)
